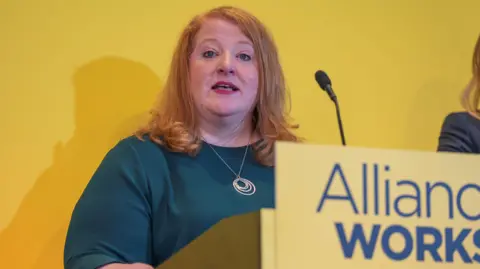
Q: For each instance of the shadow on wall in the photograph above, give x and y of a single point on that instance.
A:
(112, 97)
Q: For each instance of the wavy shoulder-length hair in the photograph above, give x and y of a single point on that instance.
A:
(174, 122)
(471, 94)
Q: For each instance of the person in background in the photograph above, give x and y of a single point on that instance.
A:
(460, 131)
(206, 154)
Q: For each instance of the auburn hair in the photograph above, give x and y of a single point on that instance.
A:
(173, 122)
(471, 94)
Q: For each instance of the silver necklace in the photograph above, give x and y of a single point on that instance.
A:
(240, 184)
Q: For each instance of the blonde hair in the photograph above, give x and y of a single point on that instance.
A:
(174, 124)
(471, 94)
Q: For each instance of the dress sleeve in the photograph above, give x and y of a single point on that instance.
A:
(111, 222)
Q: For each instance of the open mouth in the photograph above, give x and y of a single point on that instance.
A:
(225, 86)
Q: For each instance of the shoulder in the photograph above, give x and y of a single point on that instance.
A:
(139, 145)
(460, 120)
(140, 150)
(132, 165)
(460, 132)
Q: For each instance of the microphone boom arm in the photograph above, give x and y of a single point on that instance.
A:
(339, 120)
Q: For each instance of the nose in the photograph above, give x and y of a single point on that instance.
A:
(225, 65)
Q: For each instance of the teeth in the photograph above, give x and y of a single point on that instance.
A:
(223, 86)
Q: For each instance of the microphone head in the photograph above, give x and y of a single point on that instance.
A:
(323, 80)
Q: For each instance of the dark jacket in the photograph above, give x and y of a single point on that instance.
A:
(460, 133)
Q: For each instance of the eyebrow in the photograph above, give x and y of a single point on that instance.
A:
(216, 41)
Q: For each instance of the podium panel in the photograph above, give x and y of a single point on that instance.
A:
(238, 242)
(344, 207)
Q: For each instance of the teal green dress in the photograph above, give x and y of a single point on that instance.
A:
(145, 203)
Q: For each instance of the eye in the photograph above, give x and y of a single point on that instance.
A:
(244, 57)
(209, 54)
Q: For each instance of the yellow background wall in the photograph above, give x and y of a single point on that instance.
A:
(75, 77)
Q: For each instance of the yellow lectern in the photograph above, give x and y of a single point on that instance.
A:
(224, 246)
(347, 207)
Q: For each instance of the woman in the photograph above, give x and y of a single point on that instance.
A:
(206, 154)
(461, 130)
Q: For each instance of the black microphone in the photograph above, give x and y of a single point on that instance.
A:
(324, 81)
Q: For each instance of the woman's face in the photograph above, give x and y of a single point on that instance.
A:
(223, 70)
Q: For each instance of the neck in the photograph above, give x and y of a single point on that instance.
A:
(228, 133)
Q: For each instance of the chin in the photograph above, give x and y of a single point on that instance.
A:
(224, 111)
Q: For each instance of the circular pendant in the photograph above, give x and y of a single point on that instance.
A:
(244, 186)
